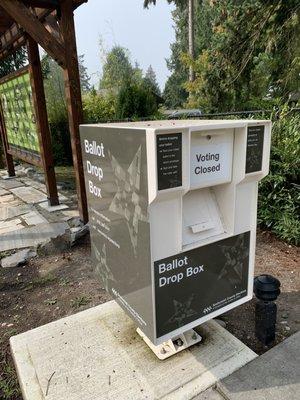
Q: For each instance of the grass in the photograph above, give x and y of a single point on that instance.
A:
(80, 301)
(9, 386)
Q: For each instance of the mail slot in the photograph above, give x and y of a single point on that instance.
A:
(172, 215)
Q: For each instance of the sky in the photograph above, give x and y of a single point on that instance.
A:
(146, 33)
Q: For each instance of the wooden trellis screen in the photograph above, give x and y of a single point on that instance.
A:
(50, 24)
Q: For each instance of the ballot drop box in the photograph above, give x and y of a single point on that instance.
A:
(172, 216)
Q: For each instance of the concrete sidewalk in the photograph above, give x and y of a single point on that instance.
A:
(273, 376)
(97, 354)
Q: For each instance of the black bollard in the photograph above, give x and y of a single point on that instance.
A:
(266, 289)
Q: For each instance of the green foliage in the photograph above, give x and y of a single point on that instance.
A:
(135, 100)
(84, 77)
(116, 69)
(242, 52)
(97, 107)
(151, 82)
(57, 109)
(135, 96)
(279, 192)
(13, 62)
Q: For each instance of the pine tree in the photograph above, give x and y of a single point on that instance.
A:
(84, 77)
(151, 81)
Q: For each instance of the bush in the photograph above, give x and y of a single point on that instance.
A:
(97, 108)
(279, 192)
(61, 142)
(135, 100)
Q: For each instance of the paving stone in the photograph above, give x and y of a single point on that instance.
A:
(7, 198)
(10, 183)
(11, 228)
(7, 224)
(34, 184)
(29, 194)
(97, 354)
(69, 214)
(3, 192)
(32, 236)
(46, 206)
(78, 232)
(8, 212)
(19, 258)
(34, 218)
(7, 177)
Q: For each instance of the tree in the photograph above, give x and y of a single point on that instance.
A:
(116, 69)
(135, 100)
(13, 62)
(243, 50)
(246, 59)
(151, 81)
(84, 77)
(54, 90)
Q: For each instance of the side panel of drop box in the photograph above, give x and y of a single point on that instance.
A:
(115, 169)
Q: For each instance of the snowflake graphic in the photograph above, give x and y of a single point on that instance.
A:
(126, 202)
(235, 257)
(182, 311)
(102, 268)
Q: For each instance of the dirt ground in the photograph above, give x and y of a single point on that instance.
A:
(52, 287)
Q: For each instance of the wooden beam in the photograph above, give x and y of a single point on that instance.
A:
(74, 101)
(31, 24)
(39, 101)
(42, 3)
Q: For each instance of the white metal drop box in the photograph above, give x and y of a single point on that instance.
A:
(172, 211)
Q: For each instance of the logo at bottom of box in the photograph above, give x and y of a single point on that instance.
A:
(195, 283)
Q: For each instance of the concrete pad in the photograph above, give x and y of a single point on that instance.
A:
(8, 211)
(34, 218)
(209, 394)
(31, 236)
(19, 258)
(46, 206)
(273, 376)
(29, 194)
(97, 354)
(10, 183)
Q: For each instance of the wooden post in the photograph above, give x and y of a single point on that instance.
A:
(73, 99)
(39, 101)
(8, 157)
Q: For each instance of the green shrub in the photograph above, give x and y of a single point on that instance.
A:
(279, 192)
(97, 108)
(136, 100)
(61, 142)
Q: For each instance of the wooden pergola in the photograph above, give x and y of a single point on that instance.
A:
(50, 24)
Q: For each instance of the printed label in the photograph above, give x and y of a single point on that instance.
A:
(255, 147)
(169, 160)
(198, 282)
